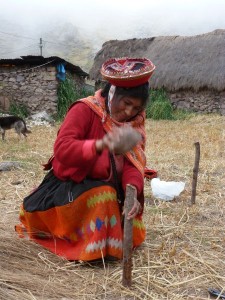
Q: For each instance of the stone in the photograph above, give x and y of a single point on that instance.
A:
(20, 78)
(11, 79)
(43, 116)
(9, 165)
(38, 90)
(49, 77)
(51, 69)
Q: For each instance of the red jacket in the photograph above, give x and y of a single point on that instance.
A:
(75, 155)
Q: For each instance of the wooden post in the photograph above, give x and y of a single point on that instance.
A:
(131, 193)
(195, 172)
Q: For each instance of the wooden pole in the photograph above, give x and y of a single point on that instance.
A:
(195, 172)
(131, 193)
(41, 46)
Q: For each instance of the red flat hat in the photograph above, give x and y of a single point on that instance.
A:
(127, 72)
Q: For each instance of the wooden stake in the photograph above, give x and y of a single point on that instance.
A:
(131, 194)
(195, 172)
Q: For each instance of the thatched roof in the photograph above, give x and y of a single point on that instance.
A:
(182, 62)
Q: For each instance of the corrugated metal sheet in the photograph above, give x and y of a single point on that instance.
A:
(40, 60)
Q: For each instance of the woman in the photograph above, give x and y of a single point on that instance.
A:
(76, 212)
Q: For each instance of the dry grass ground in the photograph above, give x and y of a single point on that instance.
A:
(184, 252)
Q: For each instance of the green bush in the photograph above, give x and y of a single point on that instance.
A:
(159, 106)
(19, 110)
(161, 110)
(158, 95)
(68, 93)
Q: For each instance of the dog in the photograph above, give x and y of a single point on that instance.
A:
(9, 122)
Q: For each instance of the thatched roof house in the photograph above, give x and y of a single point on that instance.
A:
(32, 81)
(190, 63)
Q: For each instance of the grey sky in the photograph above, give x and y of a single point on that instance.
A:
(120, 18)
(99, 21)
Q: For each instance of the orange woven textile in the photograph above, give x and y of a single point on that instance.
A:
(86, 228)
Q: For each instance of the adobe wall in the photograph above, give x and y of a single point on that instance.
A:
(35, 88)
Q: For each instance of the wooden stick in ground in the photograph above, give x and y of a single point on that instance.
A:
(131, 194)
(195, 172)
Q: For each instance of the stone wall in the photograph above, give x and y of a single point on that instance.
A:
(202, 102)
(205, 101)
(34, 88)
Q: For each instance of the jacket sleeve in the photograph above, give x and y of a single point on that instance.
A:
(132, 176)
(72, 148)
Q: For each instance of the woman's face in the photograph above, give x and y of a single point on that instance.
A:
(125, 108)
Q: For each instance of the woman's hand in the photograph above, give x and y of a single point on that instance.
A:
(136, 209)
(120, 140)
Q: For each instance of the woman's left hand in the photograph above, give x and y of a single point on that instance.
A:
(135, 210)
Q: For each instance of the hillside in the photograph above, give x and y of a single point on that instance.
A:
(64, 40)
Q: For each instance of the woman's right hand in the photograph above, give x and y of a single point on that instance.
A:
(120, 140)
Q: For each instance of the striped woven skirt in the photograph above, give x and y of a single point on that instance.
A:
(76, 221)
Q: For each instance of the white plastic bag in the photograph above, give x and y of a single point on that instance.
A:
(166, 190)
